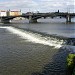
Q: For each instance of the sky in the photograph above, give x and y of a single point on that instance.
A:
(38, 5)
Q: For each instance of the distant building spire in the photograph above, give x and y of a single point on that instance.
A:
(20, 10)
(58, 11)
(9, 9)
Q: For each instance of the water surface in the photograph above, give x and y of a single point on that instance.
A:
(19, 56)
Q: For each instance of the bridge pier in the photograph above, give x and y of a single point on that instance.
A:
(31, 20)
(5, 21)
(68, 19)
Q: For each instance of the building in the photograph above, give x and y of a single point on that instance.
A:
(3, 13)
(10, 13)
(14, 13)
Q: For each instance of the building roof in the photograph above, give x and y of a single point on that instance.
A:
(2, 11)
(14, 11)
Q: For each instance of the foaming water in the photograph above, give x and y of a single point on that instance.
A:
(35, 38)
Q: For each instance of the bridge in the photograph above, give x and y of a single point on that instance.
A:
(32, 17)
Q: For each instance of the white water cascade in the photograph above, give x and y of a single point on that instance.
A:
(35, 37)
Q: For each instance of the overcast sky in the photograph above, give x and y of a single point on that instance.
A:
(38, 5)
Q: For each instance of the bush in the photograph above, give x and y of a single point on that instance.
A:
(70, 64)
(70, 60)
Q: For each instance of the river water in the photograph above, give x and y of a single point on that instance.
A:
(51, 26)
(36, 49)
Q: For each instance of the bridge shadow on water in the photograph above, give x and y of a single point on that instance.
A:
(57, 66)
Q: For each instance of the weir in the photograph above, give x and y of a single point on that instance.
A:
(42, 38)
(35, 37)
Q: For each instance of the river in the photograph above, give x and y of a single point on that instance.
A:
(36, 49)
(51, 26)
